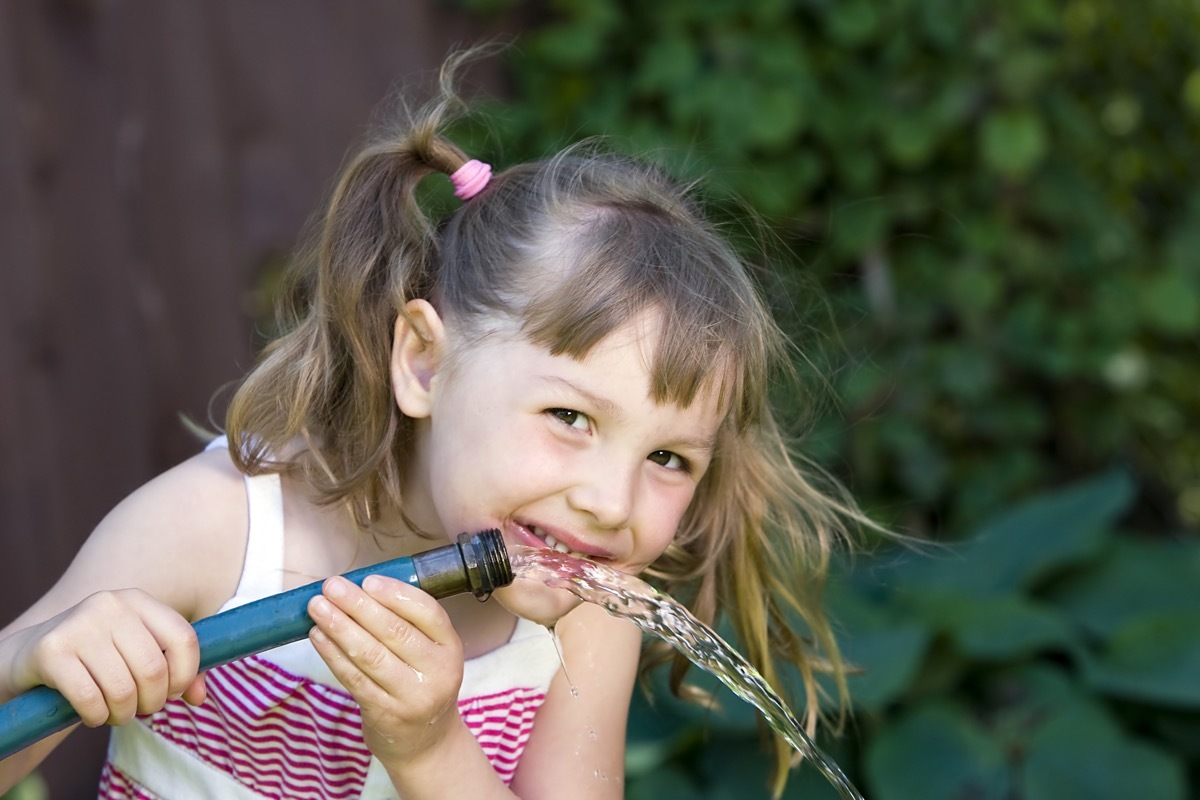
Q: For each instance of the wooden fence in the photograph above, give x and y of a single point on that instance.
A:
(155, 158)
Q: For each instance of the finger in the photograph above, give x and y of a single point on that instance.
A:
(111, 674)
(146, 665)
(390, 640)
(161, 650)
(176, 640)
(414, 606)
(377, 621)
(196, 692)
(362, 686)
(392, 662)
(341, 613)
(75, 683)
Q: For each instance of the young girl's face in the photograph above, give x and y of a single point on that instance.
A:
(553, 451)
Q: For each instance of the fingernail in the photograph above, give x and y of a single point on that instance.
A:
(372, 583)
(335, 587)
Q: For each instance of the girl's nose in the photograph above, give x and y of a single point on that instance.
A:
(606, 493)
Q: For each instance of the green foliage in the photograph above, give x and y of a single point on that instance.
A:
(31, 788)
(999, 205)
(1045, 656)
(1001, 202)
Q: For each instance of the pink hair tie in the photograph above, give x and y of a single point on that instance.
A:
(470, 178)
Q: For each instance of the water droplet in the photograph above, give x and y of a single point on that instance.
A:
(561, 660)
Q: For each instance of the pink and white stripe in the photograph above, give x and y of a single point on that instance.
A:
(113, 783)
(286, 736)
(501, 724)
(276, 733)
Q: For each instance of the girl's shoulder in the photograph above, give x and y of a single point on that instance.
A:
(181, 537)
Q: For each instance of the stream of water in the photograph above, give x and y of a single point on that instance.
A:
(659, 615)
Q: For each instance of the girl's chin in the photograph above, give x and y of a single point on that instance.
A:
(535, 601)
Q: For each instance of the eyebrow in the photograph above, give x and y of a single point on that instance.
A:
(707, 444)
(603, 403)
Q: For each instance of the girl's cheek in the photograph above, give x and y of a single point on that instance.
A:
(683, 502)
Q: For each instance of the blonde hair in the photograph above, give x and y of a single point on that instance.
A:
(620, 237)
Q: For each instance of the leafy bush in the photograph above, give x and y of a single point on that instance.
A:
(998, 207)
(1000, 201)
(1046, 656)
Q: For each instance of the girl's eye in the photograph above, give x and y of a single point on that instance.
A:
(665, 458)
(572, 419)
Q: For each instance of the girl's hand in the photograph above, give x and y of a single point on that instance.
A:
(113, 655)
(394, 649)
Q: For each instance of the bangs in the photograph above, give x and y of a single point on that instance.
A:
(622, 264)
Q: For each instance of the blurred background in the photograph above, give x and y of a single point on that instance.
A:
(983, 220)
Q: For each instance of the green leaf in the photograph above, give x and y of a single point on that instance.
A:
(910, 140)
(1015, 551)
(778, 118)
(935, 752)
(1022, 74)
(975, 290)
(1013, 142)
(1170, 302)
(1135, 579)
(861, 226)
(656, 712)
(1022, 697)
(884, 663)
(1154, 658)
(569, 47)
(852, 22)
(671, 66)
(967, 374)
(999, 628)
(1081, 753)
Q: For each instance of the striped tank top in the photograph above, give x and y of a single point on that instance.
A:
(279, 725)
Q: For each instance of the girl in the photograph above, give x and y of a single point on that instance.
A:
(573, 356)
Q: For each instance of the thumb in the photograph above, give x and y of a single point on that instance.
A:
(196, 691)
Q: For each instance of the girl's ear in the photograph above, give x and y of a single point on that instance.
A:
(418, 345)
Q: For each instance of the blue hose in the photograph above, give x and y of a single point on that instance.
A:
(477, 563)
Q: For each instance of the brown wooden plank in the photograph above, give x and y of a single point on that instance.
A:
(155, 157)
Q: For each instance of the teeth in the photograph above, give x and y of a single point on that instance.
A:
(555, 544)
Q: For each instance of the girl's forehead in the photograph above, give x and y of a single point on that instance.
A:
(684, 367)
(635, 346)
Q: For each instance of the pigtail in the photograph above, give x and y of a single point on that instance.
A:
(320, 399)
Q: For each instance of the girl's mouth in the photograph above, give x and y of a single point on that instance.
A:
(554, 544)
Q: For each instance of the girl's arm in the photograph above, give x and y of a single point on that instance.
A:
(578, 742)
(112, 634)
